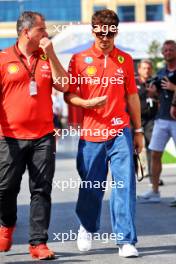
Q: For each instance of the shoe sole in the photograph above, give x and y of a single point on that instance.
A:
(7, 249)
(144, 200)
(46, 258)
(149, 201)
(82, 250)
(172, 205)
(128, 256)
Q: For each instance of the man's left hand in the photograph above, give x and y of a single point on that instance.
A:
(138, 142)
(167, 85)
(47, 46)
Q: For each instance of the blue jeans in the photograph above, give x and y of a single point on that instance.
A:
(92, 166)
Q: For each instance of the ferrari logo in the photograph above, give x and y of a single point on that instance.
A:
(121, 59)
(44, 57)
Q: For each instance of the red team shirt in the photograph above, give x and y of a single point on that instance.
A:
(23, 116)
(91, 69)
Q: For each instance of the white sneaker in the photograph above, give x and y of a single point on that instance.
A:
(151, 196)
(127, 251)
(84, 240)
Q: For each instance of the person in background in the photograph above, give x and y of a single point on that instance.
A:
(165, 124)
(173, 115)
(173, 107)
(149, 104)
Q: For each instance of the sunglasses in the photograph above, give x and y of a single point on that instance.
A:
(102, 34)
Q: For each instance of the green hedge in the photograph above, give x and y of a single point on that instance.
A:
(168, 158)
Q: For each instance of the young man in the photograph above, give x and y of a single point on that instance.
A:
(27, 71)
(105, 78)
(165, 125)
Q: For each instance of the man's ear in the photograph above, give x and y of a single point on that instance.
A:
(93, 33)
(26, 33)
(117, 33)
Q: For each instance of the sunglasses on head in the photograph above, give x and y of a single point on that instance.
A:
(102, 34)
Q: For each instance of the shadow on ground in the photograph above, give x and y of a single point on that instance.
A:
(152, 219)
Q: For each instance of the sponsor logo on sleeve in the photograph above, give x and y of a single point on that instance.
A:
(13, 68)
(88, 60)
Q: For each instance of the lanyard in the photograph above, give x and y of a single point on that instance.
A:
(30, 72)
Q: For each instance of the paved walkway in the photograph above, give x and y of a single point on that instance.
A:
(156, 224)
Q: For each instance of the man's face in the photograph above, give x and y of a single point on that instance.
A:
(104, 39)
(145, 70)
(37, 32)
(169, 52)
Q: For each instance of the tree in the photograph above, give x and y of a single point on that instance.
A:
(154, 54)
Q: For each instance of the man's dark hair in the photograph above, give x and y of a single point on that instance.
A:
(169, 42)
(27, 20)
(105, 17)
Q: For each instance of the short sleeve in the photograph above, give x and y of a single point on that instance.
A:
(130, 83)
(73, 75)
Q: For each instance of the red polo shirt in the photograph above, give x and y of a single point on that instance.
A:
(23, 116)
(98, 75)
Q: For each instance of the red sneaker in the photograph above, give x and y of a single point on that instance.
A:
(41, 251)
(6, 238)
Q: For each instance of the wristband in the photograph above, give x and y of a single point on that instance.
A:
(139, 130)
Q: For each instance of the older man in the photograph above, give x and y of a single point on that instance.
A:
(27, 71)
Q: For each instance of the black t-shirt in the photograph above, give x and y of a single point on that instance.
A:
(165, 96)
(149, 106)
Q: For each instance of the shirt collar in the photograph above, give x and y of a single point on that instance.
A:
(35, 53)
(99, 53)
